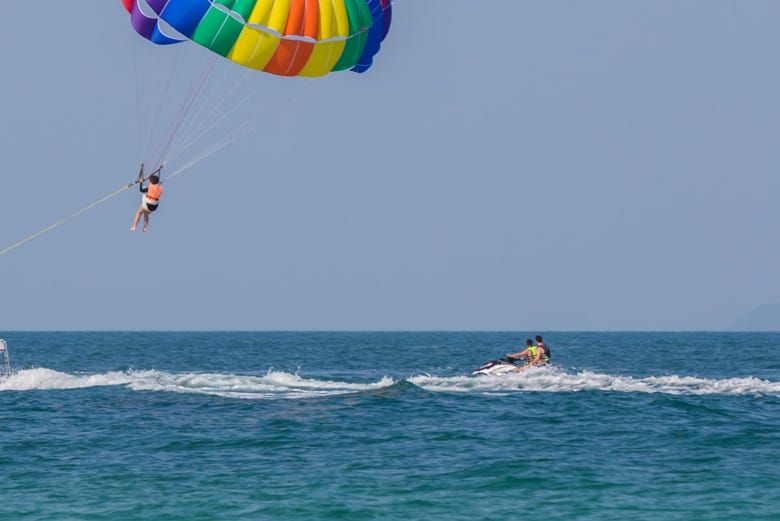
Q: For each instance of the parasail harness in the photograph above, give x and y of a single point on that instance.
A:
(142, 179)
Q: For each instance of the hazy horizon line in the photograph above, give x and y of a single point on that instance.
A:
(539, 331)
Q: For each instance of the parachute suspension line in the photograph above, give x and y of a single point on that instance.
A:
(195, 102)
(195, 92)
(193, 89)
(191, 140)
(142, 138)
(162, 100)
(197, 126)
(207, 102)
(210, 102)
(210, 151)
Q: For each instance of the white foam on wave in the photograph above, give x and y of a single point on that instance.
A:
(281, 385)
(273, 385)
(558, 380)
(42, 378)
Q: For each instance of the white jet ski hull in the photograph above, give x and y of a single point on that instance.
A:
(495, 368)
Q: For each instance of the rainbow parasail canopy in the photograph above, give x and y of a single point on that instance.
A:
(282, 37)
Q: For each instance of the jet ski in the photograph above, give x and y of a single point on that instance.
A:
(498, 366)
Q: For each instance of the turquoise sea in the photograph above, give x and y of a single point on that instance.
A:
(364, 426)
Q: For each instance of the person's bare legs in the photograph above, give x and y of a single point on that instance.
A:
(146, 221)
(137, 218)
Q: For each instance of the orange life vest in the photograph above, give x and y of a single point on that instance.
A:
(154, 191)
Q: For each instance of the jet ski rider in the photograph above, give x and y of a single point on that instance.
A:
(535, 354)
(541, 345)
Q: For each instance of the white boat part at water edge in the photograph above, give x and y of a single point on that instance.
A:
(5, 361)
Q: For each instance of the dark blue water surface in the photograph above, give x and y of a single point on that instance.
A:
(389, 426)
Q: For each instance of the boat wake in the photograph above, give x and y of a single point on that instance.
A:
(282, 385)
(272, 385)
(552, 379)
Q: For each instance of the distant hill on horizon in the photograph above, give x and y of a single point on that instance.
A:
(765, 317)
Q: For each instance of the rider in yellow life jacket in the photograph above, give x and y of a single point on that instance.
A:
(534, 354)
(151, 198)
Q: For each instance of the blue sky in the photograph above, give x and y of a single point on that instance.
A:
(515, 165)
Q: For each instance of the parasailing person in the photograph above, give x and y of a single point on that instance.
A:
(150, 199)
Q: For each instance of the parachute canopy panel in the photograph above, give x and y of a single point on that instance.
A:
(282, 37)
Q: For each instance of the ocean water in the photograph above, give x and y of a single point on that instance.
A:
(255, 426)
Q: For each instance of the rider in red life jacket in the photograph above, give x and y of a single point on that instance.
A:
(151, 198)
